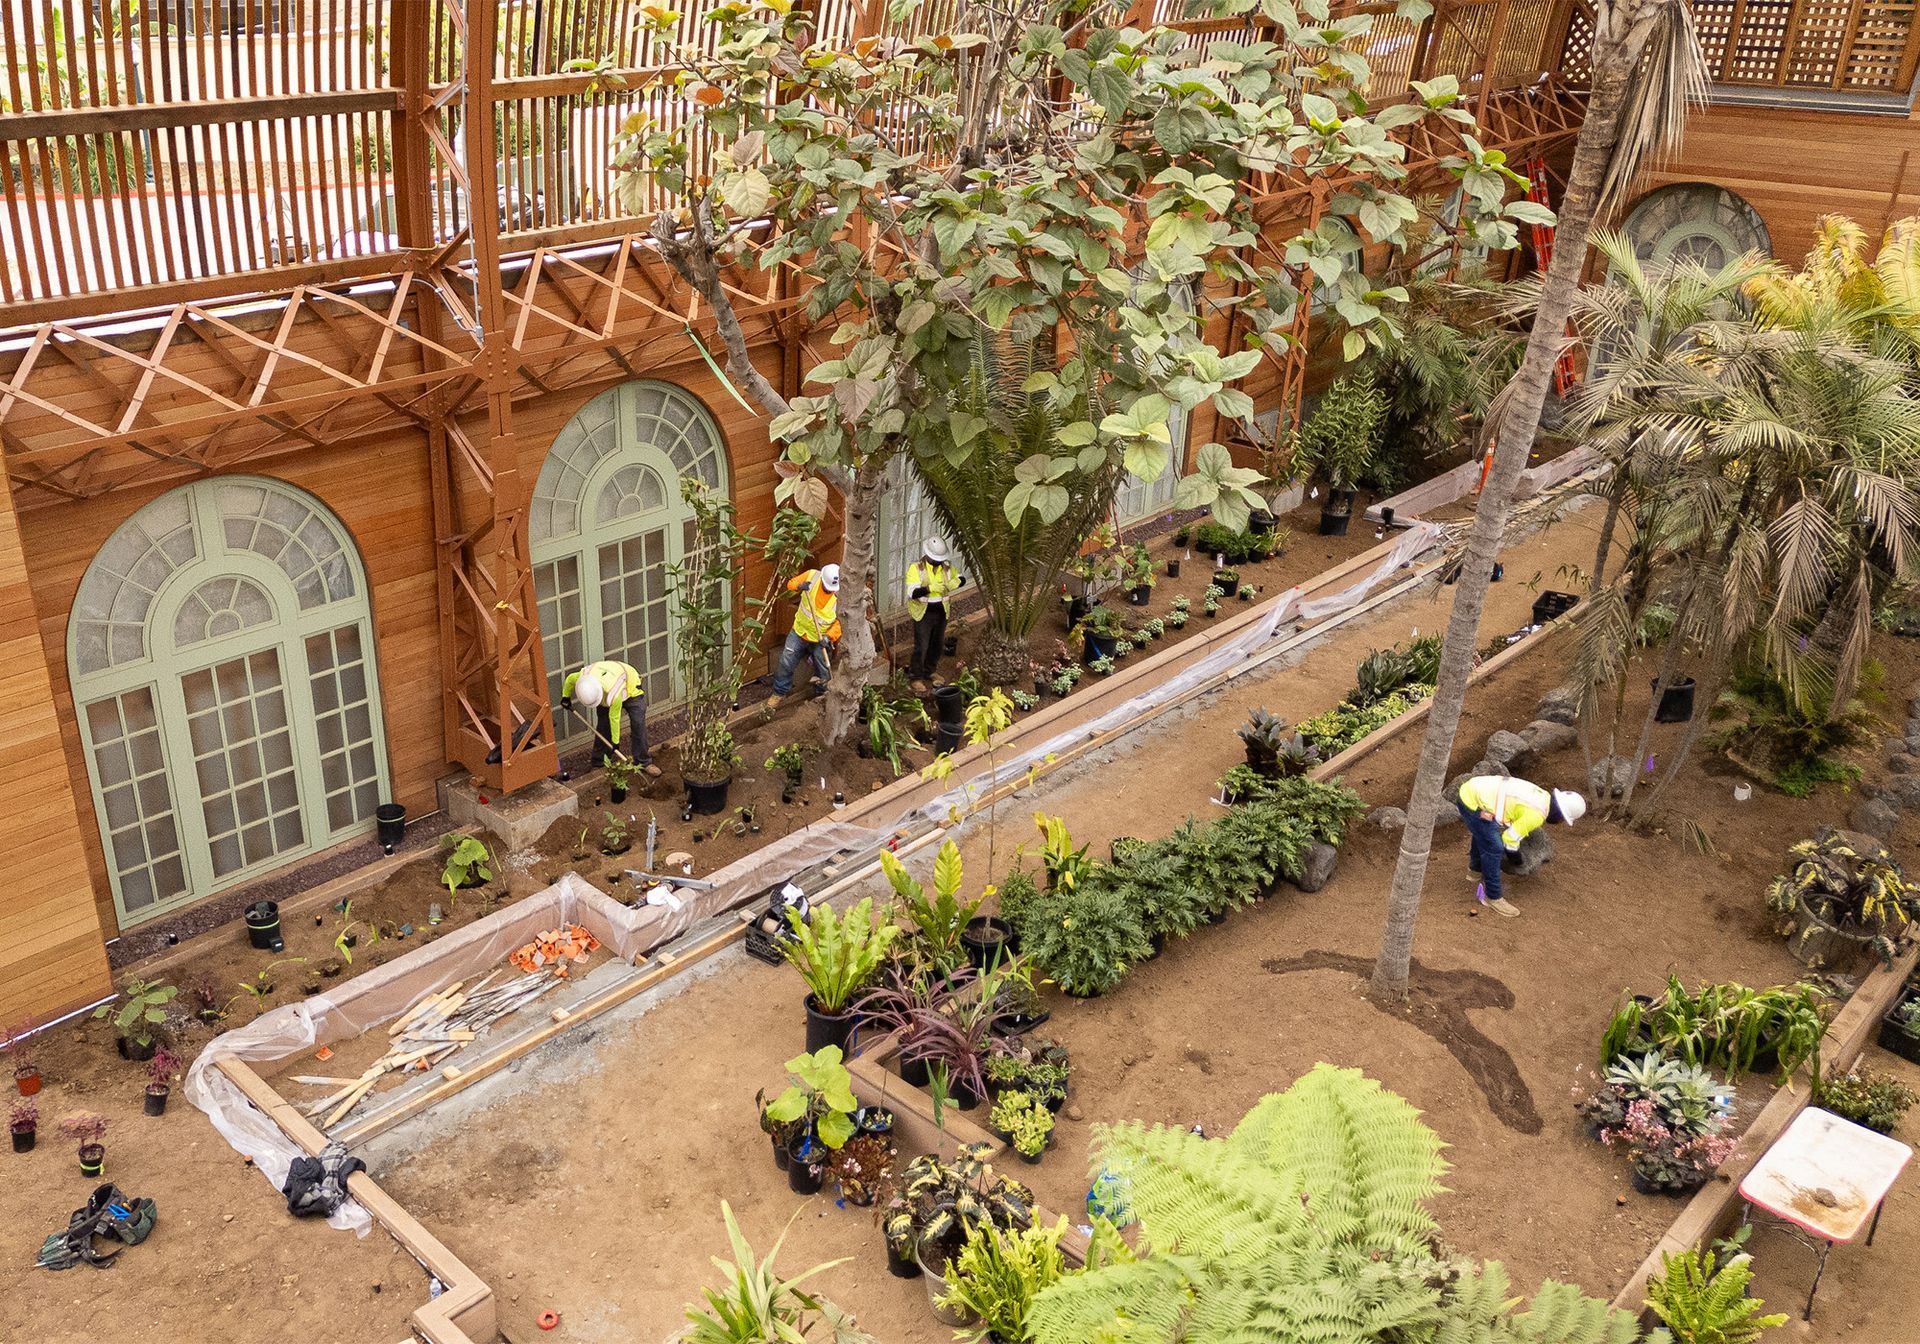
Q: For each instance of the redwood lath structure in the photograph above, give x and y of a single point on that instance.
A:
(319, 241)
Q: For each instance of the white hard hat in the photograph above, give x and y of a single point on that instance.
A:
(588, 691)
(1572, 806)
(936, 550)
(830, 578)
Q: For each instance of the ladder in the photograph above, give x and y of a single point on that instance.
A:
(1563, 369)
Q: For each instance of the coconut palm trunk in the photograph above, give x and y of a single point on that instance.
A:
(1637, 101)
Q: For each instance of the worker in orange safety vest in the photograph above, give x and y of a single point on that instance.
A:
(815, 626)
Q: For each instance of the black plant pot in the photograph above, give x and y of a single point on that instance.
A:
(93, 1159)
(1336, 513)
(1676, 701)
(948, 737)
(1142, 595)
(389, 825)
(902, 1267)
(617, 792)
(709, 800)
(950, 645)
(985, 938)
(1173, 569)
(23, 1140)
(156, 1099)
(964, 1098)
(1098, 646)
(1894, 1039)
(263, 926)
(1077, 608)
(873, 1120)
(1033, 1161)
(824, 1029)
(1261, 761)
(914, 1072)
(950, 706)
(135, 1050)
(803, 1177)
(780, 1158)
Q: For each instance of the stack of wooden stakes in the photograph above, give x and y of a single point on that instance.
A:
(434, 1028)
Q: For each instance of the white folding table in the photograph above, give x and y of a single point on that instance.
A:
(1824, 1179)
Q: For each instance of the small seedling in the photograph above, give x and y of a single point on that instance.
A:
(343, 940)
(467, 858)
(84, 1127)
(262, 983)
(614, 834)
(142, 1011)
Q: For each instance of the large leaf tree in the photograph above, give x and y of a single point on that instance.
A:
(1041, 170)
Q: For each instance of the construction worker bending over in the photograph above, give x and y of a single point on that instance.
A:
(1500, 812)
(815, 625)
(606, 688)
(930, 580)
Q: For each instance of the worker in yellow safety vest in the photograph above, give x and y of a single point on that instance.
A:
(815, 625)
(1500, 812)
(606, 688)
(930, 581)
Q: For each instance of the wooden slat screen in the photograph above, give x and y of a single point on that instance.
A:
(1843, 46)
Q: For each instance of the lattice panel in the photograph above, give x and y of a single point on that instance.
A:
(1849, 46)
(1886, 44)
(1576, 54)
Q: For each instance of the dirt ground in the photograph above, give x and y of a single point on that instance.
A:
(646, 1115)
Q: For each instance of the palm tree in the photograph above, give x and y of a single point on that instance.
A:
(1647, 68)
(1017, 566)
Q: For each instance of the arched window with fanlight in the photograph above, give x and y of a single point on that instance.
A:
(221, 656)
(607, 521)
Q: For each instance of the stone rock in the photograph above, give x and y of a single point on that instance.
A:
(1560, 705)
(1451, 794)
(1505, 748)
(1610, 777)
(1535, 849)
(1545, 735)
(1913, 707)
(1316, 866)
(1874, 816)
(1484, 766)
(1387, 818)
(1902, 764)
(1912, 728)
(1075, 1113)
(1904, 791)
(1448, 815)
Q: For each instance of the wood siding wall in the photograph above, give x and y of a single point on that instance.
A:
(51, 956)
(1794, 165)
(381, 493)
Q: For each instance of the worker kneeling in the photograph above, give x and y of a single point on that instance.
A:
(606, 688)
(1500, 812)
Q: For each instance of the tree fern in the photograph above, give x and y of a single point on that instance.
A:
(1705, 1306)
(1306, 1226)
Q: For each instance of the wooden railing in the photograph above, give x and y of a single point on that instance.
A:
(168, 149)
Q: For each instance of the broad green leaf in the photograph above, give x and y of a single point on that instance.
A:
(746, 192)
(1352, 346)
(1148, 460)
(1076, 435)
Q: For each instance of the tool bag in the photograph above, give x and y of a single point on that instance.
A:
(107, 1214)
(766, 934)
(316, 1186)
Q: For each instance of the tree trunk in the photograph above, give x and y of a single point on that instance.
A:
(1002, 656)
(857, 654)
(1613, 65)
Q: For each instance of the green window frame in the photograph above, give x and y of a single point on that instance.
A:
(220, 651)
(607, 520)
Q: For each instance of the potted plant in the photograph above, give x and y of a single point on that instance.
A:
(943, 923)
(897, 1230)
(946, 1201)
(160, 1071)
(466, 863)
(863, 1168)
(1339, 441)
(1210, 601)
(23, 1120)
(1866, 1097)
(26, 1074)
(997, 1275)
(1100, 629)
(1296, 757)
(136, 1019)
(755, 1303)
(837, 956)
(1900, 1030)
(620, 777)
(1140, 578)
(1665, 1160)
(1226, 580)
(1026, 1122)
(1702, 1305)
(791, 761)
(1838, 900)
(819, 1103)
(1264, 735)
(1101, 667)
(1246, 592)
(87, 1129)
(616, 837)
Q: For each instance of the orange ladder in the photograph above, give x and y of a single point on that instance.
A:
(1563, 369)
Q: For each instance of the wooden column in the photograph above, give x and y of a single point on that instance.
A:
(518, 661)
(53, 957)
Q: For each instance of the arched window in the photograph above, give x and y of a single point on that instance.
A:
(607, 521)
(1696, 221)
(222, 661)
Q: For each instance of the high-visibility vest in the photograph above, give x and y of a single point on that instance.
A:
(817, 618)
(620, 681)
(1517, 805)
(939, 581)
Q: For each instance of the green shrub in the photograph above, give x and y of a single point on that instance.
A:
(1240, 548)
(1017, 892)
(1155, 882)
(1084, 937)
(1326, 807)
(1273, 840)
(1346, 723)
(1866, 1097)
(1703, 1306)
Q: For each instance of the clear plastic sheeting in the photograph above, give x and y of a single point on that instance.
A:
(1414, 542)
(370, 1000)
